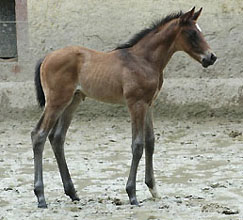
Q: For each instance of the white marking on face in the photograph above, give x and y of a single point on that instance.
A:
(198, 27)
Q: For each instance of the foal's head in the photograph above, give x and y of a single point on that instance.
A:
(191, 40)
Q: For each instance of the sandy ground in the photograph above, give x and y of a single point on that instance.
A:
(198, 167)
(198, 162)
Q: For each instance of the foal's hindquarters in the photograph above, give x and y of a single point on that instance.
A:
(59, 82)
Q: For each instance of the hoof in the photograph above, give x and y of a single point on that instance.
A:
(72, 194)
(154, 193)
(76, 198)
(42, 205)
(134, 202)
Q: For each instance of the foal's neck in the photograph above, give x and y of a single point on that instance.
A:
(158, 46)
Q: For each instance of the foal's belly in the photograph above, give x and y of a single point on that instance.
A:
(103, 91)
(100, 77)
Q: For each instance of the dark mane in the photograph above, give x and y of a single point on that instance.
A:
(137, 37)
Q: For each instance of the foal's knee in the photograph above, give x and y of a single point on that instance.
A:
(137, 149)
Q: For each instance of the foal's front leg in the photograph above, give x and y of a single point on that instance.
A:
(149, 151)
(138, 113)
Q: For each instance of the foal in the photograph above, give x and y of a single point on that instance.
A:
(132, 75)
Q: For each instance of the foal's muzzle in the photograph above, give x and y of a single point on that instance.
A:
(209, 60)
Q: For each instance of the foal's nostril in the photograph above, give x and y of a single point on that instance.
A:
(213, 57)
(209, 60)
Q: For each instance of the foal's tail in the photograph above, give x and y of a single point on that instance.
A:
(38, 87)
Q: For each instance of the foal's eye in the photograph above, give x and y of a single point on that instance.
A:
(192, 34)
(192, 37)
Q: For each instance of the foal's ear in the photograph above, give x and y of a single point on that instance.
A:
(187, 16)
(197, 14)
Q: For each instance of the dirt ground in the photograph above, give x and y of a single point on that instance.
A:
(198, 159)
(198, 168)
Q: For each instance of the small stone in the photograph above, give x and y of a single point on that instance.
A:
(230, 212)
(117, 201)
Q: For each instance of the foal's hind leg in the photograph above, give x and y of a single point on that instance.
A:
(38, 136)
(57, 138)
(149, 151)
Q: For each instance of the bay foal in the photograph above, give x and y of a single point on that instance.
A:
(132, 75)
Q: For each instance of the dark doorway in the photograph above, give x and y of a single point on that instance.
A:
(8, 39)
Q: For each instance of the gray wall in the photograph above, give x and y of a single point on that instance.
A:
(103, 24)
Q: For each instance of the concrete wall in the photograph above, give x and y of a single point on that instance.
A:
(102, 25)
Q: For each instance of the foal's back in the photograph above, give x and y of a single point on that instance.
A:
(96, 74)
